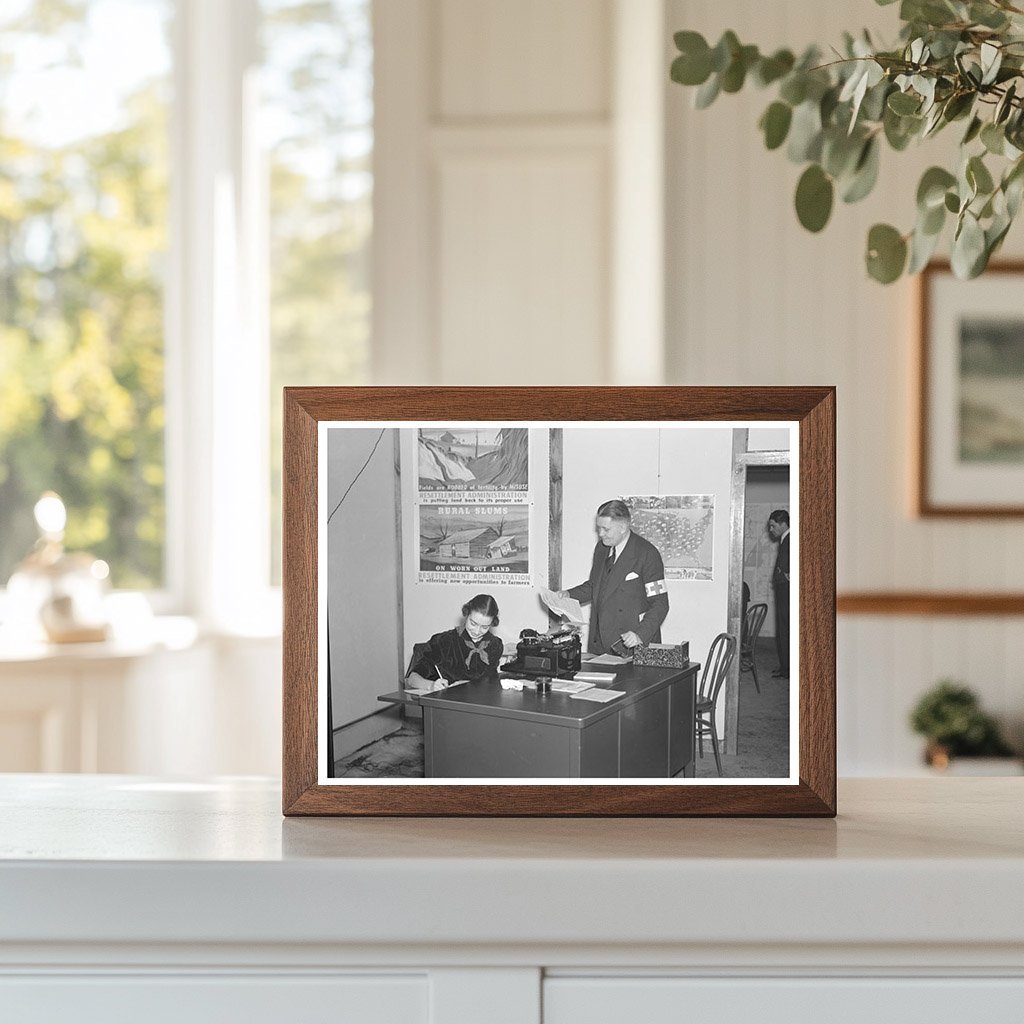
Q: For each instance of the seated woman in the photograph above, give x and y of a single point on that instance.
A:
(468, 653)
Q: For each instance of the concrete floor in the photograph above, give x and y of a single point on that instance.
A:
(763, 739)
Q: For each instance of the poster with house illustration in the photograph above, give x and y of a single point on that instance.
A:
(474, 544)
(474, 464)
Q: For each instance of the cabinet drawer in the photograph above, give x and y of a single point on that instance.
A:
(660, 1000)
(224, 999)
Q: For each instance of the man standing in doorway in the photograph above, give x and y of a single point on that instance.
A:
(778, 530)
(626, 589)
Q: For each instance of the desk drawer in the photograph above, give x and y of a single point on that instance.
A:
(657, 1000)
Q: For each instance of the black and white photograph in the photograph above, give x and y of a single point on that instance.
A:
(558, 602)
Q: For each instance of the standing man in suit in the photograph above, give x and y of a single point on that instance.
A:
(626, 589)
(778, 530)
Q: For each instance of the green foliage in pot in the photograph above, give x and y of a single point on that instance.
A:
(957, 61)
(949, 716)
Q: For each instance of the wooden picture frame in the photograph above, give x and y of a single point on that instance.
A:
(672, 415)
(969, 448)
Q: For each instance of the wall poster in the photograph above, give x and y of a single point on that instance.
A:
(488, 464)
(475, 544)
(681, 527)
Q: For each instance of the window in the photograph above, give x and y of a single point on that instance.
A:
(185, 222)
(83, 236)
(318, 132)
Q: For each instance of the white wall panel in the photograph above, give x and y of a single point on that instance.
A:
(752, 298)
(523, 243)
(531, 58)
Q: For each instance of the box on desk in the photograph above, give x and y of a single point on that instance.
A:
(663, 655)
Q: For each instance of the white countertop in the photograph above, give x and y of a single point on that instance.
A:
(123, 859)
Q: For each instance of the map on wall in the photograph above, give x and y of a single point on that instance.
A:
(473, 464)
(681, 527)
(474, 544)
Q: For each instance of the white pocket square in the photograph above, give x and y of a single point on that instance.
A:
(632, 576)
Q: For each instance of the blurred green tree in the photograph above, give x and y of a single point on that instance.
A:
(82, 232)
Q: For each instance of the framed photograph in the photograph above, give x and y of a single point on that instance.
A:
(559, 601)
(970, 450)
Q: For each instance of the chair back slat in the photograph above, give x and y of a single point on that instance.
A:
(716, 668)
(752, 623)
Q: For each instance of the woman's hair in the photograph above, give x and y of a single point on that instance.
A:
(485, 605)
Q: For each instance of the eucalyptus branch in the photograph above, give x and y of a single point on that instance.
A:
(833, 118)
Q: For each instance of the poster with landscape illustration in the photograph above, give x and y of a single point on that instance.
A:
(681, 527)
(991, 390)
(478, 543)
(474, 464)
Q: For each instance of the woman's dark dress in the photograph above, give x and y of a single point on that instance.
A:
(457, 657)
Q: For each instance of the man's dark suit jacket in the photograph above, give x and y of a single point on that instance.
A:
(616, 603)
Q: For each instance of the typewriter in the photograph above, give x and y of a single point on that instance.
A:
(552, 655)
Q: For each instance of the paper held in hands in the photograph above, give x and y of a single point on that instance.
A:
(567, 607)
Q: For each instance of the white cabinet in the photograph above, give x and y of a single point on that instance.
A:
(125, 898)
(202, 999)
(824, 1000)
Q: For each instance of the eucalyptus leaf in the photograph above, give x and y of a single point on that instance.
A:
(814, 195)
(775, 123)
(958, 105)
(707, 93)
(873, 106)
(931, 190)
(932, 221)
(794, 88)
(922, 248)
(991, 60)
(968, 247)
(735, 74)
(692, 67)
(886, 254)
(840, 152)
(723, 51)
(987, 15)
(903, 103)
(952, 202)
(805, 133)
(865, 174)
(978, 176)
(771, 69)
(973, 129)
(1004, 106)
(993, 138)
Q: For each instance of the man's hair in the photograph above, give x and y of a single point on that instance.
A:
(780, 515)
(614, 509)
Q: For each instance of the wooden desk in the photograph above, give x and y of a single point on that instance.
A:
(479, 730)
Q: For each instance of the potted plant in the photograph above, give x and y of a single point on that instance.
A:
(950, 717)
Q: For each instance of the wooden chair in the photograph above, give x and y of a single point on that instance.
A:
(716, 670)
(752, 623)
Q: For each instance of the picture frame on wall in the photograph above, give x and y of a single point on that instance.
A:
(970, 382)
(559, 601)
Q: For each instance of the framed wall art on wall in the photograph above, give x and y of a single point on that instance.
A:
(535, 601)
(970, 444)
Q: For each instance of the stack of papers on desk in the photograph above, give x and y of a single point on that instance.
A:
(596, 693)
(609, 662)
(591, 677)
(512, 684)
(574, 685)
